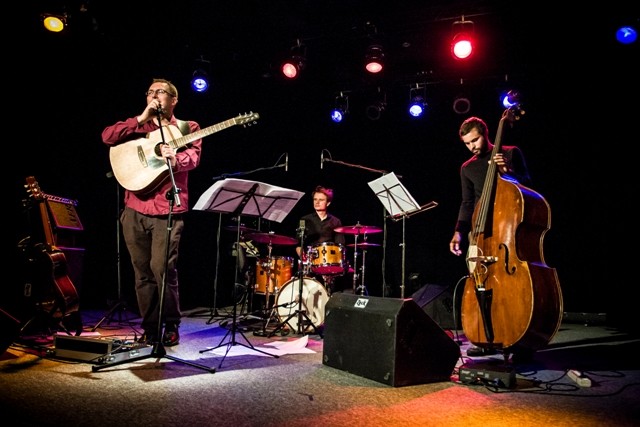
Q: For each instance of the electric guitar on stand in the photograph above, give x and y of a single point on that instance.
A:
(138, 164)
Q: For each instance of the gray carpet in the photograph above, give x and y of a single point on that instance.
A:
(228, 375)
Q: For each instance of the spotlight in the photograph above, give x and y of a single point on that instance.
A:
(375, 109)
(54, 23)
(626, 35)
(296, 61)
(200, 81)
(374, 59)
(341, 108)
(417, 103)
(463, 41)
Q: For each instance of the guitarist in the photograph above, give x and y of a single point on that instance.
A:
(145, 217)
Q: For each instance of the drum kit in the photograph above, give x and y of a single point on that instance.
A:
(275, 274)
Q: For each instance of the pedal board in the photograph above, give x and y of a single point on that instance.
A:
(479, 373)
(99, 351)
(122, 356)
(81, 348)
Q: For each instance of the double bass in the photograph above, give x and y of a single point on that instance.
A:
(512, 300)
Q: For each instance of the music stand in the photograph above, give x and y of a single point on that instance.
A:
(250, 198)
(399, 204)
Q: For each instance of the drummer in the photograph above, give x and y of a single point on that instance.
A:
(319, 228)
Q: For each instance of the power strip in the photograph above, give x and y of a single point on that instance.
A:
(579, 378)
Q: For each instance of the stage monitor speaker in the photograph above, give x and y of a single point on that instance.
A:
(388, 340)
(437, 302)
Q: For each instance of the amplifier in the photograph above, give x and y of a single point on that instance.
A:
(478, 373)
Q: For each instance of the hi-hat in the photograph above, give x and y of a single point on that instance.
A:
(363, 245)
(243, 229)
(358, 229)
(272, 238)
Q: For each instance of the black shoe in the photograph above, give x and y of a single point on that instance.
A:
(147, 338)
(171, 336)
(479, 351)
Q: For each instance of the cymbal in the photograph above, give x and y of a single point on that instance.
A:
(243, 229)
(358, 229)
(271, 238)
(363, 245)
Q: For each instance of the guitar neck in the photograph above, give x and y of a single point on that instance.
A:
(189, 138)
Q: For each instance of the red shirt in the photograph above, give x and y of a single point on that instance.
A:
(156, 202)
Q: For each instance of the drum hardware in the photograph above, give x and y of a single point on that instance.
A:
(242, 228)
(271, 239)
(313, 301)
(358, 230)
(270, 270)
(307, 300)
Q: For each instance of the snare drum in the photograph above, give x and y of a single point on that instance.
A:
(314, 299)
(280, 271)
(327, 258)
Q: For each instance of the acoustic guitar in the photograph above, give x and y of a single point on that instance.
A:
(138, 164)
(59, 297)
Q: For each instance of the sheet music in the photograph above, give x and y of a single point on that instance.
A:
(268, 201)
(395, 198)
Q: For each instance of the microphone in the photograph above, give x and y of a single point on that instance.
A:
(322, 159)
(159, 111)
(286, 162)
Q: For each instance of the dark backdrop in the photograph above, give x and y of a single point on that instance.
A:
(573, 76)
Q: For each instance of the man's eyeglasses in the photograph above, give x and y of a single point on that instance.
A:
(157, 92)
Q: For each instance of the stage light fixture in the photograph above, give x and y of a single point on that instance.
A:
(461, 105)
(54, 23)
(626, 35)
(463, 41)
(374, 59)
(200, 81)
(417, 100)
(341, 108)
(376, 108)
(296, 62)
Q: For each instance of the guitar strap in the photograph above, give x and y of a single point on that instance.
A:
(184, 127)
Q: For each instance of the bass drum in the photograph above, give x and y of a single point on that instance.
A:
(314, 299)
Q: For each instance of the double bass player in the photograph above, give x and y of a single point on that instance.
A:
(510, 161)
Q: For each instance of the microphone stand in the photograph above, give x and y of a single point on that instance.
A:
(158, 351)
(120, 305)
(329, 159)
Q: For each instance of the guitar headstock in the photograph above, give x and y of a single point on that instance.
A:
(247, 119)
(34, 189)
